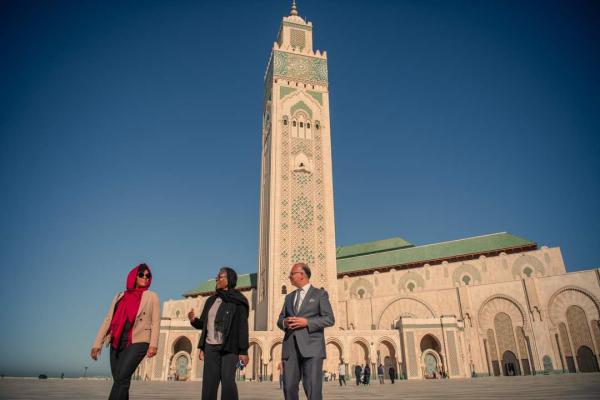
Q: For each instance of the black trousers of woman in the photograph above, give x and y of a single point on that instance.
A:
(123, 363)
(219, 367)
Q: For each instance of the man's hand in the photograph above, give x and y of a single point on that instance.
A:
(295, 322)
(191, 315)
(95, 353)
(200, 355)
(151, 352)
(244, 359)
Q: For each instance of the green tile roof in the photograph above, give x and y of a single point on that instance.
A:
(430, 252)
(397, 251)
(244, 281)
(371, 247)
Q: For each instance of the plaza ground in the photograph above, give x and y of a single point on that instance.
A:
(573, 386)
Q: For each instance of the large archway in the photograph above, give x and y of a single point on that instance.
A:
(334, 357)
(386, 355)
(274, 364)
(254, 369)
(181, 359)
(586, 360)
(359, 355)
(431, 357)
(510, 364)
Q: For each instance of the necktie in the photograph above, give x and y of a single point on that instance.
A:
(297, 303)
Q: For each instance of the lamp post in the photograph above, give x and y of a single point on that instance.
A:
(85, 372)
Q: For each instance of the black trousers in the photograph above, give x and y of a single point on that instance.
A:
(342, 378)
(219, 368)
(122, 366)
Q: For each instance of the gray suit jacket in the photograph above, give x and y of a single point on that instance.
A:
(317, 311)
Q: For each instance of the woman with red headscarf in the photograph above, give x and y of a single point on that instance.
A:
(131, 328)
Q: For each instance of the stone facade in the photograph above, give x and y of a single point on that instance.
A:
(490, 305)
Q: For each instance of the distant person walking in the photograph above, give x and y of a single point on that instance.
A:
(380, 373)
(392, 373)
(131, 328)
(367, 373)
(224, 338)
(342, 373)
(358, 374)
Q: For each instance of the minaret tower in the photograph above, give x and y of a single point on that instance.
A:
(296, 193)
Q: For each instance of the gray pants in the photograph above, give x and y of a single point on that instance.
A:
(310, 370)
(122, 366)
(219, 368)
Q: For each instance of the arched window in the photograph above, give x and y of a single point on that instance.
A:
(527, 272)
(294, 123)
(411, 286)
(283, 289)
(361, 293)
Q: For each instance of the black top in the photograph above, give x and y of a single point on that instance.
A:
(232, 320)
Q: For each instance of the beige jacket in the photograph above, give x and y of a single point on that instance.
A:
(145, 327)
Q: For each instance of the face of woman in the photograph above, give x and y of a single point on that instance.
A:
(143, 277)
(221, 281)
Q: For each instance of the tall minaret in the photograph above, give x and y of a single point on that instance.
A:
(296, 193)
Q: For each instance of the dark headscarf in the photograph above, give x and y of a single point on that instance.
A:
(231, 295)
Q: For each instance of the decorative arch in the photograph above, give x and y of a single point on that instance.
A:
(501, 304)
(361, 283)
(572, 295)
(403, 307)
(258, 343)
(430, 341)
(301, 105)
(527, 260)
(388, 340)
(468, 269)
(408, 277)
(364, 345)
(182, 343)
(336, 342)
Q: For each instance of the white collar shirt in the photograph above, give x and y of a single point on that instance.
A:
(302, 293)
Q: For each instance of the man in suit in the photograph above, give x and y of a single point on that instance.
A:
(306, 313)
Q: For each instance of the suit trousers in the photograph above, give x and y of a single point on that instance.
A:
(219, 368)
(309, 369)
(122, 366)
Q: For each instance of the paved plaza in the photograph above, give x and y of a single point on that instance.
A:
(580, 386)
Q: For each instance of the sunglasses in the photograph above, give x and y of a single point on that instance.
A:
(143, 275)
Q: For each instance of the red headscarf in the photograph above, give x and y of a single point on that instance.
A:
(128, 307)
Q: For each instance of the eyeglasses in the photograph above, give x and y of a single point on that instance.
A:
(143, 275)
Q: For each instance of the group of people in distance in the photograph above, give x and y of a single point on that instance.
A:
(362, 374)
(132, 324)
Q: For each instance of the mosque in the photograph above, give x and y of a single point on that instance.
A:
(496, 304)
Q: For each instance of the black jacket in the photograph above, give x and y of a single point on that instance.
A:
(235, 320)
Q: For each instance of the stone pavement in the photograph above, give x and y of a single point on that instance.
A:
(572, 387)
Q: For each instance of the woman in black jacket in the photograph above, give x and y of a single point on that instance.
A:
(224, 338)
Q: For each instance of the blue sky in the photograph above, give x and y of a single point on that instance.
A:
(130, 131)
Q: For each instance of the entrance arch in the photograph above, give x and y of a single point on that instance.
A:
(586, 360)
(510, 364)
(275, 361)
(334, 357)
(254, 370)
(181, 359)
(431, 357)
(386, 355)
